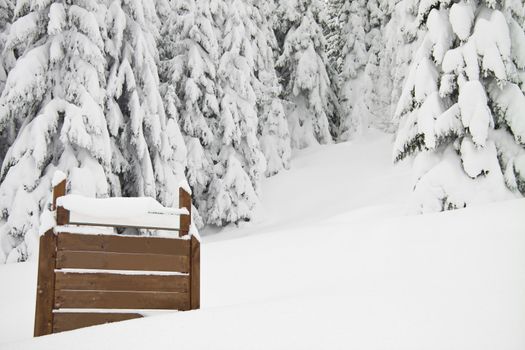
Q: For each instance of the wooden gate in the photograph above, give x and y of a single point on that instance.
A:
(81, 275)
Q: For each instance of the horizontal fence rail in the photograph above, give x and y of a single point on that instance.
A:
(101, 272)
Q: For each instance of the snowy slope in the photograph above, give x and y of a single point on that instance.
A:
(329, 180)
(17, 300)
(326, 277)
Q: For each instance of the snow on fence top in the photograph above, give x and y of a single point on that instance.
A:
(136, 212)
(116, 207)
(143, 212)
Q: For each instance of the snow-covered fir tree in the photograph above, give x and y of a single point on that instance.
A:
(376, 92)
(218, 73)
(313, 110)
(334, 24)
(241, 163)
(274, 136)
(54, 102)
(355, 56)
(401, 36)
(83, 97)
(376, 40)
(148, 152)
(366, 83)
(6, 13)
(190, 52)
(462, 106)
(130, 97)
(6, 61)
(378, 70)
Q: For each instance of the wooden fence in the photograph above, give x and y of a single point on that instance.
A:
(75, 286)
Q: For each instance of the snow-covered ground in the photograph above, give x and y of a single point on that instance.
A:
(327, 181)
(333, 262)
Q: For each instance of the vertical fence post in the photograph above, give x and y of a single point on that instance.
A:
(195, 274)
(45, 292)
(195, 251)
(62, 213)
(185, 220)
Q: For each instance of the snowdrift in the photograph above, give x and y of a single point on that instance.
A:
(352, 271)
(454, 280)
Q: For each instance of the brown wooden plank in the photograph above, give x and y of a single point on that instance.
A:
(121, 300)
(115, 282)
(122, 261)
(66, 321)
(123, 244)
(58, 191)
(62, 216)
(185, 220)
(195, 278)
(45, 285)
(117, 225)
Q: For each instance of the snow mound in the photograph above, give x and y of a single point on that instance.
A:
(58, 177)
(461, 18)
(117, 207)
(407, 282)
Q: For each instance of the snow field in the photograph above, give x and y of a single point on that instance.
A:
(334, 262)
(453, 280)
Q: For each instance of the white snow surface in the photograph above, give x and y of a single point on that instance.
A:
(185, 186)
(475, 113)
(58, 177)
(461, 18)
(116, 207)
(334, 262)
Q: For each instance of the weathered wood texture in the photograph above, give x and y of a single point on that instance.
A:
(185, 220)
(116, 282)
(195, 277)
(58, 191)
(61, 212)
(151, 221)
(121, 261)
(123, 244)
(59, 290)
(95, 299)
(67, 321)
(110, 290)
(45, 291)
